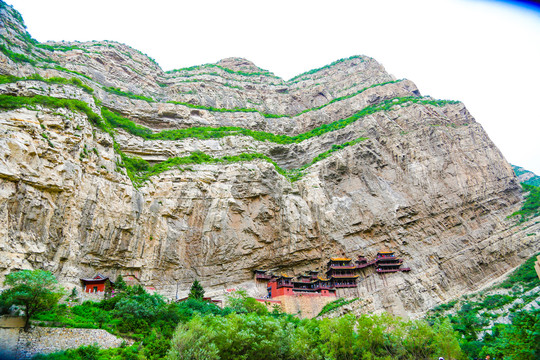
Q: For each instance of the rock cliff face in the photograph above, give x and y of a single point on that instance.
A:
(414, 175)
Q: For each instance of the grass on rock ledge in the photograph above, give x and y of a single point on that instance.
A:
(140, 170)
(531, 206)
(4, 79)
(117, 120)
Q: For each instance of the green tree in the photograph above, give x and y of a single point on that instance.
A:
(241, 303)
(36, 290)
(120, 285)
(74, 294)
(519, 340)
(194, 341)
(446, 340)
(108, 290)
(196, 291)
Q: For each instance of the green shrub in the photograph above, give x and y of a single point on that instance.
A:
(531, 206)
(53, 80)
(9, 102)
(128, 94)
(16, 57)
(339, 302)
(525, 275)
(496, 301)
(313, 71)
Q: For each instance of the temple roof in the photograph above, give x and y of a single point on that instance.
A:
(340, 259)
(286, 276)
(99, 277)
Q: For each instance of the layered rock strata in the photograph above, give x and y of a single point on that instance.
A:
(426, 182)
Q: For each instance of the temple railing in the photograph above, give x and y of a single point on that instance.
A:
(342, 267)
(387, 271)
(304, 290)
(344, 285)
(263, 277)
(324, 287)
(397, 263)
(281, 285)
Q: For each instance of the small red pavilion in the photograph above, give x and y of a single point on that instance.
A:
(95, 284)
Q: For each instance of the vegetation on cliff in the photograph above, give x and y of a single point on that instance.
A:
(268, 115)
(313, 71)
(140, 170)
(533, 179)
(52, 80)
(336, 304)
(230, 71)
(531, 188)
(503, 321)
(117, 120)
(531, 206)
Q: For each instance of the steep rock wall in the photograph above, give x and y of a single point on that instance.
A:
(427, 182)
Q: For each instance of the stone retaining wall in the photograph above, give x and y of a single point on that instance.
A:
(17, 344)
(304, 305)
(7, 321)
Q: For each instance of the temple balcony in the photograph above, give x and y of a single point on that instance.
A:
(344, 276)
(304, 290)
(324, 287)
(390, 263)
(263, 277)
(332, 266)
(279, 286)
(345, 285)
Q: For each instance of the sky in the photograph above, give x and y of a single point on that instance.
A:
(485, 53)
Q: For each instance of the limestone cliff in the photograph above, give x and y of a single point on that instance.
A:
(377, 166)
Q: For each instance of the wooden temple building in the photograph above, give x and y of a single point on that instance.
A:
(304, 284)
(387, 262)
(95, 284)
(341, 272)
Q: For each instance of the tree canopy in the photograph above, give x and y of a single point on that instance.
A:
(197, 291)
(36, 290)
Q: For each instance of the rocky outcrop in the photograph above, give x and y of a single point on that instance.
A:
(427, 182)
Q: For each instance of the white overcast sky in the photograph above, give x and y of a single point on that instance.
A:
(484, 53)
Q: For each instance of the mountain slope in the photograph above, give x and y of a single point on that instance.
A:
(526, 176)
(213, 171)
